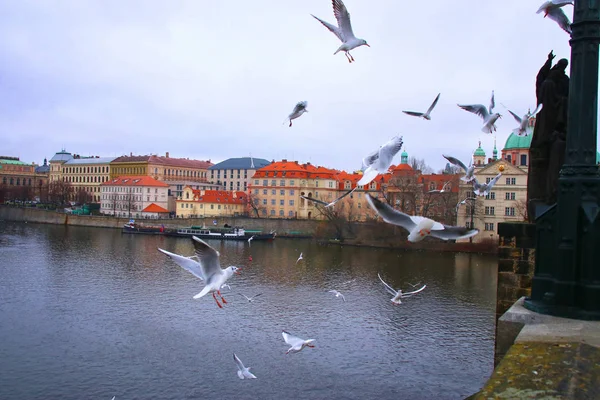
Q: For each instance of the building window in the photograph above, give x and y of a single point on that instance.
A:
(290, 214)
(510, 196)
(272, 212)
(282, 183)
(509, 211)
(489, 211)
(281, 202)
(490, 196)
(291, 192)
(272, 202)
(281, 213)
(489, 226)
(273, 182)
(273, 192)
(511, 181)
(523, 159)
(282, 192)
(291, 202)
(265, 183)
(292, 182)
(264, 191)
(265, 202)
(469, 225)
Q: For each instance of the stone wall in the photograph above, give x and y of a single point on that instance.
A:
(516, 266)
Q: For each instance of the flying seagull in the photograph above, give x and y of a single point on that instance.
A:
(419, 227)
(427, 114)
(296, 343)
(553, 10)
(251, 239)
(298, 110)
(483, 189)
(344, 30)
(489, 117)
(399, 294)
(442, 190)
(524, 129)
(380, 162)
(324, 203)
(337, 294)
(214, 276)
(243, 372)
(299, 258)
(250, 299)
(468, 171)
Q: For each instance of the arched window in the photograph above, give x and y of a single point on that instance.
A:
(18, 181)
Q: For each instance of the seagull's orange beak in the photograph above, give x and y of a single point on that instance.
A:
(366, 44)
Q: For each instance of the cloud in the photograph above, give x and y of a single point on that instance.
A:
(216, 79)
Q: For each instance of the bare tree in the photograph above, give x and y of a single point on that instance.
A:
(419, 164)
(521, 209)
(59, 192)
(82, 196)
(255, 204)
(404, 193)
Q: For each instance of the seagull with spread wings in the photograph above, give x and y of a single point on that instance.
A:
(426, 115)
(299, 109)
(250, 299)
(399, 294)
(489, 117)
(344, 30)
(324, 203)
(243, 372)
(337, 294)
(419, 227)
(525, 128)
(468, 177)
(553, 10)
(296, 343)
(483, 189)
(442, 190)
(380, 162)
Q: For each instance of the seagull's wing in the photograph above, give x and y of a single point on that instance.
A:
(559, 16)
(413, 113)
(492, 103)
(454, 233)
(208, 257)
(389, 215)
(561, 3)
(515, 116)
(415, 291)
(543, 7)
(491, 183)
(256, 295)
(300, 106)
(334, 292)
(314, 200)
(478, 109)
(246, 297)
(291, 339)
(184, 262)
(370, 159)
(432, 106)
(239, 362)
(388, 151)
(336, 31)
(343, 19)
(341, 197)
(456, 161)
(537, 110)
(417, 219)
(390, 289)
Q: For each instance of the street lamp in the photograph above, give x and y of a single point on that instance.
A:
(567, 269)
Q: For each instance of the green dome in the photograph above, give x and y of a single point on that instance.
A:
(518, 142)
(404, 154)
(479, 152)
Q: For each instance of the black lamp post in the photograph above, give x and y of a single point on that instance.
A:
(567, 271)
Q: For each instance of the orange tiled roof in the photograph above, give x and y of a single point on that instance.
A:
(402, 167)
(293, 169)
(155, 208)
(134, 181)
(343, 177)
(131, 159)
(219, 196)
(180, 162)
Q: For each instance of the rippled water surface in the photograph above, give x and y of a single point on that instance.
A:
(90, 313)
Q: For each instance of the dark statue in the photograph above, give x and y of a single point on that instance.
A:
(547, 150)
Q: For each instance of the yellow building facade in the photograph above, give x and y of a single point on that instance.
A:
(201, 203)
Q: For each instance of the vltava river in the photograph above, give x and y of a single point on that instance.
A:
(89, 313)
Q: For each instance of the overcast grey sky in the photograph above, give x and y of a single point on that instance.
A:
(216, 79)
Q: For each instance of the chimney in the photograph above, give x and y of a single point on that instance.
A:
(130, 154)
(167, 155)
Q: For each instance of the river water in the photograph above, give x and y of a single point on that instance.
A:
(90, 313)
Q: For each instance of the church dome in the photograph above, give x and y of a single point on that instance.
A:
(479, 152)
(517, 142)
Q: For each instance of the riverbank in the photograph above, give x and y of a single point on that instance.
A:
(372, 234)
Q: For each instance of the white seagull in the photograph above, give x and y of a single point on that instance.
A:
(324, 203)
(419, 227)
(553, 9)
(296, 343)
(299, 258)
(524, 128)
(399, 294)
(337, 294)
(468, 171)
(250, 299)
(344, 30)
(483, 189)
(427, 114)
(298, 110)
(461, 203)
(214, 276)
(489, 117)
(243, 372)
(251, 239)
(442, 190)
(379, 162)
